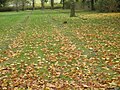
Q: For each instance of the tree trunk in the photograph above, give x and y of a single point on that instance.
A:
(33, 4)
(83, 2)
(42, 4)
(92, 5)
(52, 4)
(17, 7)
(72, 7)
(63, 4)
(23, 5)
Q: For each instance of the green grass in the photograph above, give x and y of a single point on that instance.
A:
(38, 51)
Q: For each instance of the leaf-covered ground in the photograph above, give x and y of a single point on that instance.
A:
(48, 50)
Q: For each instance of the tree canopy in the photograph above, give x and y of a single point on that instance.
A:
(2, 3)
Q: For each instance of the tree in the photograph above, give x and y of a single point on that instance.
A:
(17, 5)
(118, 1)
(107, 5)
(92, 5)
(33, 4)
(63, 4)
(23, 4)
(42, 4)
(52, 4)
(72, 7)
(83, 2)
(46, 1)
(2, 3)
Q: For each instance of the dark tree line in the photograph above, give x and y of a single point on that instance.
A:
(101, 4)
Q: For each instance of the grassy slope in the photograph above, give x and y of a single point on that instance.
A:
(38, 47)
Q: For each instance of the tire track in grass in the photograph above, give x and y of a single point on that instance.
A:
(91, 62)
(68, 57)
(10, 27)
(16, 42)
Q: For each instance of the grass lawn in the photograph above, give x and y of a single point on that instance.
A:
(38, 51)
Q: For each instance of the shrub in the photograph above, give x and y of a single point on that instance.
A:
(67, 4)
(106, 5)
(118, 1)
(4, 9)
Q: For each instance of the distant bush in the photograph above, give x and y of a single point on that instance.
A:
(106, 5)
(118, 1)
(4, 9)
(67, 4)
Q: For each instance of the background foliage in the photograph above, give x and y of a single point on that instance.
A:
(100, 5)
